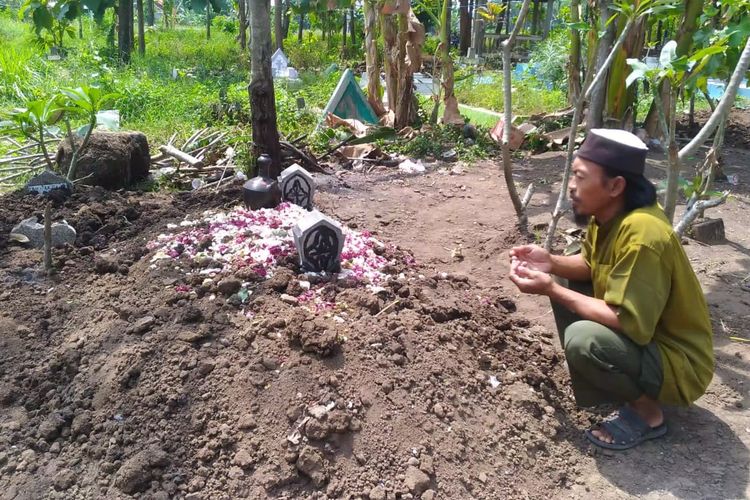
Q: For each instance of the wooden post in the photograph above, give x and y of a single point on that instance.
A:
(48, 238)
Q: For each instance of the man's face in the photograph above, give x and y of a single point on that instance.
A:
(589, 190)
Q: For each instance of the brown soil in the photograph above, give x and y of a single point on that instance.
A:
(116, 384)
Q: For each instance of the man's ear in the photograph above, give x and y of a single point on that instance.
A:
(617, 186)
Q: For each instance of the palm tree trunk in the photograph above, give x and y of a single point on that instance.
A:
(262, 101)
(300, 28)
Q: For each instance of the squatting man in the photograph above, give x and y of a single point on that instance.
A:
(629, 310)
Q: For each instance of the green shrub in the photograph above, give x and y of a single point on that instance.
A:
(312, 53)
(550, 58)
(529, 95)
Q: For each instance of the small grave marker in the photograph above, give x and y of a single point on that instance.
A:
(48, 181)
(297, 186)
(319, 241)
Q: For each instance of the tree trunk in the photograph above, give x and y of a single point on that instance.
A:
(506, 16)
(344, 29)
(242, 12)
(150, 12)
(390, 58)
(371, 58)
(300, 28)
(208, 20)
(477, 34)
(405, 109)
(536, 17)
(278, 31)
(352, 29)
(287, 18)
(141, 29)
(574, 61)
(131, 24)
(595, 117)
(262, 101)
(450, 104)
(464, 27)
(80, 27)
(508, 116)
(123, 32)
(548, 17)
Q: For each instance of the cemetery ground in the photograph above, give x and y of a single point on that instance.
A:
(122, 376)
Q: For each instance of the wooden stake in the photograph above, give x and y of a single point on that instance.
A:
(48, 238)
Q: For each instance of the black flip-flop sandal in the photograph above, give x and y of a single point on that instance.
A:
(627, 429)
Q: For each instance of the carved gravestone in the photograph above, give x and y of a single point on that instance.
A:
(319, 241)
(297, 186)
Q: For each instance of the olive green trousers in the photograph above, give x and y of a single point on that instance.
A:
(606, 367)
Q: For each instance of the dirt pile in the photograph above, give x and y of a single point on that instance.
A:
(123, 377)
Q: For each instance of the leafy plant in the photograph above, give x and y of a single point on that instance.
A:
(52, 19)
(88, 102)
(32, 121)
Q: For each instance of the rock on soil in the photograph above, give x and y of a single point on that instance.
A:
(137, 472)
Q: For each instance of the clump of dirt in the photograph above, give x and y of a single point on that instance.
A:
(736, 135)
(122, 377)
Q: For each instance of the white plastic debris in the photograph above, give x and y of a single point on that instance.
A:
(494, 382)
(409, 167)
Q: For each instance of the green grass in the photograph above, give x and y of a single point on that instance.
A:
(529, 96)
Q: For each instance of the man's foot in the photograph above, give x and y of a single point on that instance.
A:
(646, 408)
(626, 429)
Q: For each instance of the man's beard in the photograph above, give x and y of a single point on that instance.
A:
(580, 220)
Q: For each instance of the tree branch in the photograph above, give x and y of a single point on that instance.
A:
(724, 107)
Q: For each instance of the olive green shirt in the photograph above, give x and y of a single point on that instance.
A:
(638, 265)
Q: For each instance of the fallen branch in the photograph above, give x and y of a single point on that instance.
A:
(697, 209)
(20, 174)
(181, 156)
(14, 159)
(193, 138)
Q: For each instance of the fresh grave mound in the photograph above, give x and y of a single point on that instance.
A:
(258, 243)
(388, 384)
